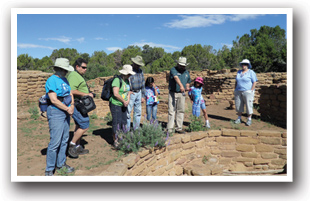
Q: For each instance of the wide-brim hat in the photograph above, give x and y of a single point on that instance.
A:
(127, 69)
(138, 60)
(182, 61)
(199, 80)
(63, 63)
(246, 61)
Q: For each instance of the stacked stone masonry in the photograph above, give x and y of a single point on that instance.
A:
(216, 152)
(219, 87)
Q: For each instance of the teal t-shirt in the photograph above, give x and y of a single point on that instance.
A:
(184, 78)
(123, 91)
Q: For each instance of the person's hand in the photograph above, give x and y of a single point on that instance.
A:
(142, 100)
(154, 85)
(91, 95)
(70, 110)
(182, 89)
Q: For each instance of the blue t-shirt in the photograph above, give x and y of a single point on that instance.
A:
(60, 86)
(150, 95)
(246, 80)
(195, 94)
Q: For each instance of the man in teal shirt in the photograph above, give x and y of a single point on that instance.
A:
(79, 89)
(179, 82)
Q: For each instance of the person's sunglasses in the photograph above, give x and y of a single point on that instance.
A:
(83, 67)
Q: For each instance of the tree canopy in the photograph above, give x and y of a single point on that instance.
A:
(265, 48)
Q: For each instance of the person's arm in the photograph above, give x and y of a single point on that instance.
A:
(155, 90)
(59, 104)
(78, 93)
(119, 97)
(143, 90)
(178, 81)
(253, 86)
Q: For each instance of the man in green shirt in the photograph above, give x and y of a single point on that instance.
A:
(179, 82)
(79, 89)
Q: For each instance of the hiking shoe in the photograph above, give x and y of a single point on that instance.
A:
(81, 150)
(238, 121)
(66, 168)
(208, 125)
(73, 152)
(248, 123)
(49, 173)
(180, 131)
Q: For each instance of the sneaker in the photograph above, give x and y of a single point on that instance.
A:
(73, 152)
(81, 150)
(208, 125)
(49, 173)
(238, 121)
(180, 131)
(248, 123)
(66, 168)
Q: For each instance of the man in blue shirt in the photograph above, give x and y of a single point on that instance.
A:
(137, 86)
(179, 82)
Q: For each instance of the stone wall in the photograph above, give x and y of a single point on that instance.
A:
(216, 152)
(219, 87)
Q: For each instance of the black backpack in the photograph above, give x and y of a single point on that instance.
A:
(107, 90)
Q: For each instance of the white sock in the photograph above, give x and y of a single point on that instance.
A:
(249, 118)
(207, 121)
(72, 143)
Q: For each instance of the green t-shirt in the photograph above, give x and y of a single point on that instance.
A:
(184, 78)
(77, 82)
(123, 91)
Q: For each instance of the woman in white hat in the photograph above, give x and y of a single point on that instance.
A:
(120, 100)
(61, 107)
(244, 90)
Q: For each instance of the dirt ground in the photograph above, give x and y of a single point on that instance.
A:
(33, 139)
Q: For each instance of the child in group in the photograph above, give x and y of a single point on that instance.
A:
(197, 100)
(151, 93)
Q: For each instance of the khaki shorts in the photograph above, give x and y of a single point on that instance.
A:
(244, 98)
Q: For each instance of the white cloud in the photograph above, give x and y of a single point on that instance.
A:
(81, 39)
(113, 49)
(194, 21)
(100, 38)
(168, 48)
(25, 46)
(62, 39)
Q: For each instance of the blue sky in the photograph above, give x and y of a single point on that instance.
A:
(39, 34)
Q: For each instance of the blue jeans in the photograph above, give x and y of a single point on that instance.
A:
(151, 110)
(59, 125)
(135, 104)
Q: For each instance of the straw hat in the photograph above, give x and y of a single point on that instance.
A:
(138, 60)
(127, 69)
(63, 63)
(246, 61)
(182, 61)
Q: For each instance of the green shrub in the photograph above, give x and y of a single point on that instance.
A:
(150, 135)
(34, 112)
(197, 124)
(108, 117)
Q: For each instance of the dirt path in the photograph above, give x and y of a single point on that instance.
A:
(33, 139)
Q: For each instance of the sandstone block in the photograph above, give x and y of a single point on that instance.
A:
(269, 133)
(269, 155)
(284, 135)
(271, 140)
(200, 144)
(248, 133)
(259, 161)
(224, 161)
(214, 133)
(281, 97)
(187, 151)
(159, 172)
(225, 140)
(186, 138)
(242, 159)
(284, 142)
(247, 140)
(227, 147)
(188, 145)
(216, 151)
(230, 154)
(198, 136)
(244, 148)
(280, 151)
(264, 148)
(230, 132)
(248, 164)
(115, 169)
(279, 162)
(131, 160)
(174, 156)
(178, 170)
(175, 140)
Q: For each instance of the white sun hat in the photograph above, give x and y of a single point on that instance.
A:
(182, 61)
(246, 61)
(63, 63)
(138, 60)
(127, 69)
